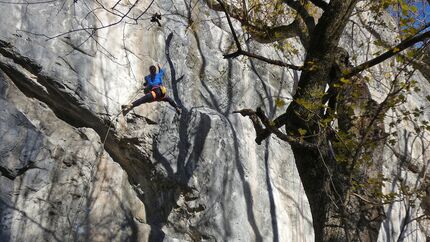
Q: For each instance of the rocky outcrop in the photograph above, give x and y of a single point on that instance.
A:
(73, 169)
(54, 192)
(154, 176)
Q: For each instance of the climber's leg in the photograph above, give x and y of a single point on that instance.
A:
(150, 97)
(172, 103)
(145, 99)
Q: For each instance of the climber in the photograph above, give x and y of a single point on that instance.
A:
(154, 91)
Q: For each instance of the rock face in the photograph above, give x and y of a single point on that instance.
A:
(54, 192)
(423, 65)
(158, 176)
(72, 169)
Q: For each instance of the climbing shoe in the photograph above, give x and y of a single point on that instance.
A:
(126, 108)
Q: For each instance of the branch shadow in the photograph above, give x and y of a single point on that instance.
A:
(272, 112)
(213, 103)
(190, 152)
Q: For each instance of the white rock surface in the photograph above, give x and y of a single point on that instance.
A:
(199, 176)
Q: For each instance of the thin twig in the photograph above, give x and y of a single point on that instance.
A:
(27, 3)
(240, 51)
(388, 54)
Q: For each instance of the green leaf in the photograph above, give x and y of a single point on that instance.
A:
(345, 81)
(302, 131)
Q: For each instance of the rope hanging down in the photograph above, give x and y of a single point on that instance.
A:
(117, 115)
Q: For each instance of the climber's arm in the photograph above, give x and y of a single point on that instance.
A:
(160, 70)
(145, 83)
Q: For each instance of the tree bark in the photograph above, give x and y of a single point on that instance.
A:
(336, 216)
(344, 193)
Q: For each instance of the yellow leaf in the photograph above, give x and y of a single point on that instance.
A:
(279, 103)
(411, 54)
(302, 131)
(345, 81)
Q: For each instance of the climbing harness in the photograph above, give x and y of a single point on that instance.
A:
(158, 92)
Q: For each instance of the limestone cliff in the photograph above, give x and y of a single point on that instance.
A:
(73, 169)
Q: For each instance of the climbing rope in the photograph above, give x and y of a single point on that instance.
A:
(117, 115)
(99, 155)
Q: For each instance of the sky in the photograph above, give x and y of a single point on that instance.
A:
(423, 13)
(424, 10)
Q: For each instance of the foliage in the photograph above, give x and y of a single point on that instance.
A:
(336, 133)
(342, 128)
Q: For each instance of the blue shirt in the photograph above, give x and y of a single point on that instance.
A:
(158, 80)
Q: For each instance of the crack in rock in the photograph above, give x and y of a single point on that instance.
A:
(69, 107)
(13, 174)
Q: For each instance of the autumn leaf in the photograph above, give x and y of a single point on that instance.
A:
(279, 103)
(302, 131)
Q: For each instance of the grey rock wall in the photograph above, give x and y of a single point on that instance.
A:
(57, 182)
(198, 176)
(71, 170)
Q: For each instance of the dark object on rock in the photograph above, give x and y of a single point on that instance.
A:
(156, 17)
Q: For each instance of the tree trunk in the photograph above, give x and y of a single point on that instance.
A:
(337, 214)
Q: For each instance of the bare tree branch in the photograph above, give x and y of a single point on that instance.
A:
(240, 51)
(388, 54)
(267, 34)
(27, 3)
(321, 4)
(260, 32)
(94, 29)
(420, 59)
(144, 11)
(115, 4)
(259, 129)
(269, 128)
(236, 40)
(262, 58)
(118, 13)
(121, 16)
(301, 10)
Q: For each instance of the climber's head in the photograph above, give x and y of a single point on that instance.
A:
(152, 70)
